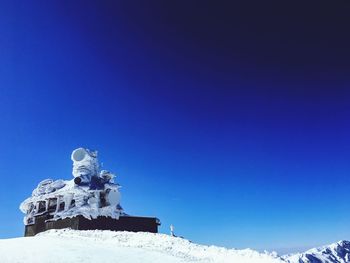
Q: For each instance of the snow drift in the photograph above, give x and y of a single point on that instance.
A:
(64, 246)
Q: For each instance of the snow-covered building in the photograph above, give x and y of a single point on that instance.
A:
(91, 200)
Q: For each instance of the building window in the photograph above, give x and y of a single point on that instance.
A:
(52, 205)
(72, 203)
(41, 206)
(61, 208)
(30, 208)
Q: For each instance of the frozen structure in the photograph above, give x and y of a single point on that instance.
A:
(89, 201)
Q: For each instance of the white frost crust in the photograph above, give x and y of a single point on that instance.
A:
(95, 193)
(82, 196)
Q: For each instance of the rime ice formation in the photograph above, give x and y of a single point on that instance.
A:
(91, 193)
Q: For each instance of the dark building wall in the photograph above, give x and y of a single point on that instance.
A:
(39, 226)
(124, 223)
(72, 223)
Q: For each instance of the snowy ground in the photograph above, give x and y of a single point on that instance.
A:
(64, 246)
(338, 252)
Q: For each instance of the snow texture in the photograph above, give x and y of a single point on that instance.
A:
(65, 246)
(335, 253)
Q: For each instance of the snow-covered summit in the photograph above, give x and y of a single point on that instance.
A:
(338, 252)
(58, 246)
(65, 246)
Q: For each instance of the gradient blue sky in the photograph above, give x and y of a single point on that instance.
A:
(230, 122)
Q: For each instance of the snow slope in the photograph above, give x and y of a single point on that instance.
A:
(65, 246)
(335, 253)
(58, 246)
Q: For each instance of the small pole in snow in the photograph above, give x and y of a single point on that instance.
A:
(172, 230)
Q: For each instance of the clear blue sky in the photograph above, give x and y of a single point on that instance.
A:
(230, 122)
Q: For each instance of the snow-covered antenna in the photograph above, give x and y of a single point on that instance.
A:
(85, 165)
(172, 230)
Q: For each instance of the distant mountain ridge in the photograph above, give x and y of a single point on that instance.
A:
(338, 252)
